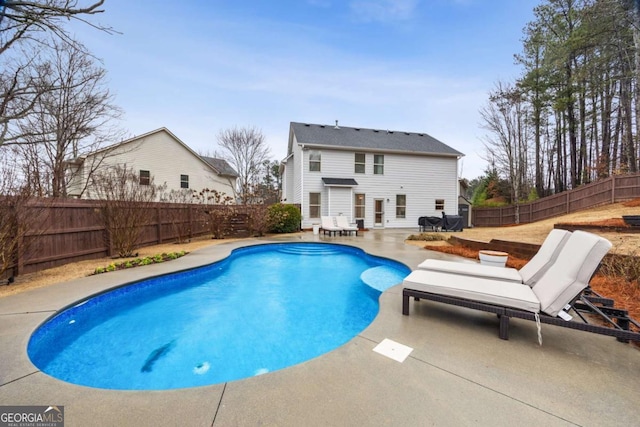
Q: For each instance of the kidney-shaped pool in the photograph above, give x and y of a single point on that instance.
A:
(263, 308)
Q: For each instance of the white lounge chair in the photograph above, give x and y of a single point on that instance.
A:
(341, 221)
(560, 285)
(529, 274)
(328, 226)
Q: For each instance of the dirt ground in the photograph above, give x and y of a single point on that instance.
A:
(529, 233)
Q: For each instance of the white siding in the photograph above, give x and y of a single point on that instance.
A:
(422, 178)
(166, 159)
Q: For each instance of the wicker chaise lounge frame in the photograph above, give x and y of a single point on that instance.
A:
(588, 303)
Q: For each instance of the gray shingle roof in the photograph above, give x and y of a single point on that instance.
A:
(221, 166)
(370, 139)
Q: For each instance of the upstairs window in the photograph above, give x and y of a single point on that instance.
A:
(184, 181)
(401, 205)
(145, 177)
(439, 204)
(360, 163)
(378, 164)
(314, 161)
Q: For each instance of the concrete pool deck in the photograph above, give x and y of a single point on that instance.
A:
(459, 373)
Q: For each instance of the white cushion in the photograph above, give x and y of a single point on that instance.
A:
(571, 272)
(472, 269)
(545, 257)
(497, 292)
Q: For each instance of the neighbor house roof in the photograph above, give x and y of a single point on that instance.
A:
(221, 166)
(369, 139)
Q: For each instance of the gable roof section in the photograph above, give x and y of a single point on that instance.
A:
(369, 139)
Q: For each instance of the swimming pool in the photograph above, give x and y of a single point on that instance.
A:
(263, 308)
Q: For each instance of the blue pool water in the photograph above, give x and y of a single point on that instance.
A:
(263, 308)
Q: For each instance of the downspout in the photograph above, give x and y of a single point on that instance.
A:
(302, 210)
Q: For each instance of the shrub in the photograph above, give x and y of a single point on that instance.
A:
(284, 218)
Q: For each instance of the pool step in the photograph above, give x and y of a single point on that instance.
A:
(308, 249)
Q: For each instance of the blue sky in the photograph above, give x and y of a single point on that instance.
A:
(197, 67)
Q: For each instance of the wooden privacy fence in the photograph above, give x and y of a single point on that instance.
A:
(611, 190)
(64, 231)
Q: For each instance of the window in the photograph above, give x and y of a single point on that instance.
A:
(401, 205)
(145, 177)
(314, 161)
(360, 163)
(359, 206)
(184, 181)
(439, 204)
(314, 205)
(378, 164)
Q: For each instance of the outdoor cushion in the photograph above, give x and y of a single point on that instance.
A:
(571, 272)
(472, 269)
(497, 292)
(529, 274)
(544, 258)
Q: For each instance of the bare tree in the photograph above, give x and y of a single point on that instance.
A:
(78, 116)
(507, 144)
(247, 150)
(27, 30)
(20, 218)
(31, 20)
(126, 206)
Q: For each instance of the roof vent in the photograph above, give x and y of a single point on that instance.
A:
(337, 127)
(376, 131)
(407, 133)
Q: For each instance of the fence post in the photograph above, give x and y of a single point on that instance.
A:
(190, 222)
(567, 202)
(613, 189)
(159, 224)
(19, 251)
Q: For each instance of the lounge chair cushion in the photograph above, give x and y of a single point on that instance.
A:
(571, 272)
(507, 294)
(544, 258)
(341, 221)
(472, 269)
(328, 224)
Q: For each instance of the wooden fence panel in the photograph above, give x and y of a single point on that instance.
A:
(614, 189)
(64, 231)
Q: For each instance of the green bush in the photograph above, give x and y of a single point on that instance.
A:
(284, 218)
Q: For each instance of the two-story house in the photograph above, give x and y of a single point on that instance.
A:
(157, 156)
(376, 178)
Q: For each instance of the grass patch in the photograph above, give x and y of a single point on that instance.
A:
(428, 237)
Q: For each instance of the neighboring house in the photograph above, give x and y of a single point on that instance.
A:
(376, 178)
(157, 156)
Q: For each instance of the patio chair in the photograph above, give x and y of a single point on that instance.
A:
(557, 290)
(341, 221)
(528, 274)
(328, 226)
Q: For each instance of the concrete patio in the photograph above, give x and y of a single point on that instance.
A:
(459, 373)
